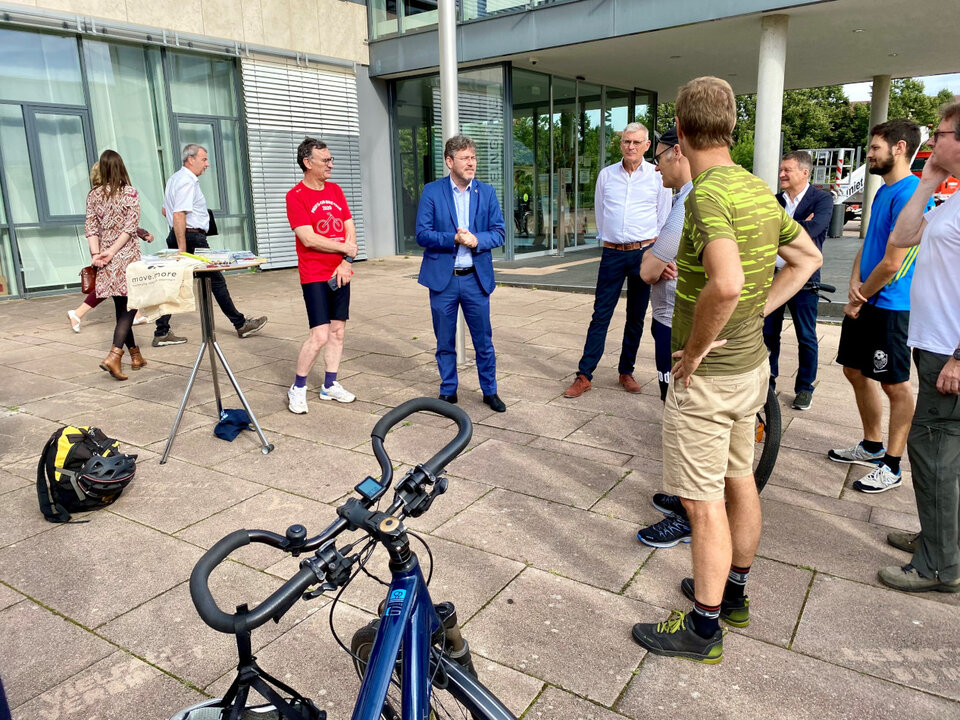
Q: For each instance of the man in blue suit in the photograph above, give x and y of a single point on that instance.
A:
(458, 223)
(812, 208)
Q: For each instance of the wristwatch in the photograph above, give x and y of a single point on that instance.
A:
(956, 354)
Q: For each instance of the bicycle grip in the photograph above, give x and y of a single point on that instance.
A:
(440, 407)
(203, 600)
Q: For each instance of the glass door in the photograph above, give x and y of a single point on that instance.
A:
(589, 160)
(207, 134)
(532, 229)
(564, 123)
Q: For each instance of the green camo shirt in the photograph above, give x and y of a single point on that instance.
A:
(729, 202)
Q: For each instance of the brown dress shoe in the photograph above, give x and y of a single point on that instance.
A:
(113, 365)
(136, 359)
(579, 387)
(629, 384)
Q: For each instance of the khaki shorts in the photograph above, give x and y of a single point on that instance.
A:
(708, 431)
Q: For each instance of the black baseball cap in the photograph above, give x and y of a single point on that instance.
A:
(670, 137)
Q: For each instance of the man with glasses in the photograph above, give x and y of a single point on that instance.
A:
(326, 246)
(185, 208)
(934, 335)
(458, 223)
(631, 203)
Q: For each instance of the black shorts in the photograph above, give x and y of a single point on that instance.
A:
(324, 304)
(875, 343)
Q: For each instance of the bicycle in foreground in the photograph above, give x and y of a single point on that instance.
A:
(412, 660)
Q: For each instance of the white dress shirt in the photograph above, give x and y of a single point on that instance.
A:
(183, 194)
(461, 201)
(630, 206)
(791, 205)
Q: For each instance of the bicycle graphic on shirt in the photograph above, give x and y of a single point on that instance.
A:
(330, 226)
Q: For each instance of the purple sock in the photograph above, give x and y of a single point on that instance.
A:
(329, 379)
(301, 381)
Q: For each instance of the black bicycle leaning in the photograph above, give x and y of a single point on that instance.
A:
(412, 660)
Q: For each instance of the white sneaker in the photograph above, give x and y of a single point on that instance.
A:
(140, 320)
(336, 392)
(297, 399)
(74, 321)
(879, 480)
(857, 455)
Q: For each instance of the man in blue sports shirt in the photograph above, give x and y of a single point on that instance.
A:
(873, 340)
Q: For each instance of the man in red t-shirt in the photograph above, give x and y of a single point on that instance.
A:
(326, 246)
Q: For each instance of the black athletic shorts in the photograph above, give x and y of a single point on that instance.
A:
(324, 304)
(875, 343)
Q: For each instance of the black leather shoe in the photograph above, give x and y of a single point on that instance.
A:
(452, 399)
(495, 402)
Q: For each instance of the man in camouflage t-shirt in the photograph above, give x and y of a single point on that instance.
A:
(733, 230)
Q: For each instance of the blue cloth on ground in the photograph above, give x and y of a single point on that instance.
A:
(232, 422)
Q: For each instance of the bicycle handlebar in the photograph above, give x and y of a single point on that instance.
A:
(313, 571)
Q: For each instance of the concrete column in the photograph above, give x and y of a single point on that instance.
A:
(879, 106)
(773, 56)
(449, 110)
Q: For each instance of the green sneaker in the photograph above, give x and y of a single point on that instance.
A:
(675, 638)
(736, 615)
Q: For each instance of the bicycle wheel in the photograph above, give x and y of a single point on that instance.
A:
(768, 435)
(456, 693)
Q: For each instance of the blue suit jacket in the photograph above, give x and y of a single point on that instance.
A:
(820, 203)
(437, 228)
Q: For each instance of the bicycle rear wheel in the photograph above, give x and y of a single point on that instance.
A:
(768, 436)
(456, 693)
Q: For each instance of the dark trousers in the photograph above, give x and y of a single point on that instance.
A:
(662, 355)
(464, 291)
(217, 284)
(934, 448)
(803, 310)
(616, 266)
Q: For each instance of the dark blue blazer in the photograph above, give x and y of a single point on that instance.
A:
(437, 228)
(820, 203)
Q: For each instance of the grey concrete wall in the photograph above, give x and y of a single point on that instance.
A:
(376, 169)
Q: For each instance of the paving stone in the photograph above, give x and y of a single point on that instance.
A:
(61, 366)
(809, 472)
(377, 364)
(78, 569)
(522, 387)
(414, 443)
(371, 388)
(310, 469)
(141, 423)
(756, 680)
(8, 597)
(167, 631)
(616, 401)
(555, 703)
(608, 457)
(44, 650)
(108, 690)
(200, 446)
(174, 495)
(549, 421)
(622, 435)
(20, 515)
(812, 501)
(537, 472)
(909, 522)
(852, 549)
(23, 436)
(602, 551)
(460, 494)
(540, 621)
(329, 422)
(631, 499)
(777, 592)
(59, 407)
(549, 368)
(910, 640)
(13, 353)
(899, 499)
(819, 437)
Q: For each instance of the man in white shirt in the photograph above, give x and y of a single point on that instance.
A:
(185, 208)
(631, 203)
(934, 335)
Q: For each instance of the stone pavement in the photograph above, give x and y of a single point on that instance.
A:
(535, 540)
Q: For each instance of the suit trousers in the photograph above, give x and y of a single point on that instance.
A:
(218, 285)
(934, 448)
(616, 267)
(464, 291)
(803, 310)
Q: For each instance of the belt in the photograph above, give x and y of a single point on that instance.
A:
(196, 231)
(639, 245)
(464, 271)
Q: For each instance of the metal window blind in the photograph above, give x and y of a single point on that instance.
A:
(283, 104)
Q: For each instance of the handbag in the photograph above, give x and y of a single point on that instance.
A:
(88, 279)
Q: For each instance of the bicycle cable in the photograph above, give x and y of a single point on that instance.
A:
(333, 605)
(429, 554)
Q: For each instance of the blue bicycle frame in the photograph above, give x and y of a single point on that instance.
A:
(410, 619)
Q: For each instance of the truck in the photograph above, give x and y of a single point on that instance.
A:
(947, 188)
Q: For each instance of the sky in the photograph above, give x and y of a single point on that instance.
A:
(931, 84)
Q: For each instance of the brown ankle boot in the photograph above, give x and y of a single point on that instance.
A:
(113, 363)
(136, 359)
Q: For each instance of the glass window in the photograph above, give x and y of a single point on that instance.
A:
(202, 85)
(8, 275)
(419, 13)
(616, 117)
(233, 169)
(383, 18)
(16, 165)
(589, 158)
(125, 111)
(63, 158)
(531, 161)
(202, 133)
(51, 257)
(565, 136)
(39, 68)
(645, 112)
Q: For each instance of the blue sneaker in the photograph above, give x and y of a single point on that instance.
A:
(857, 455)
(669, 504)
(666, 533)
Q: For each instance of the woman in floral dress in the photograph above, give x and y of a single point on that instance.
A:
(113, 212)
